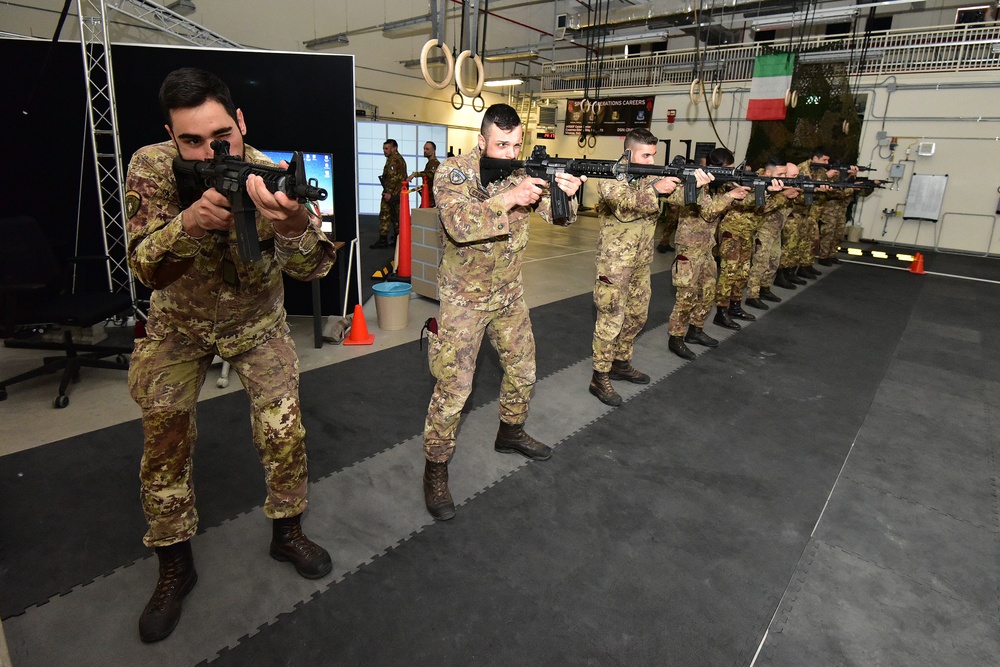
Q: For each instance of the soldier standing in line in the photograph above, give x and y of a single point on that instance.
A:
(427, 174)
(393, 175)
(833, 214)
(694, 271)
(484, 230)
(208, 301)
(767, 248)
(628, 210)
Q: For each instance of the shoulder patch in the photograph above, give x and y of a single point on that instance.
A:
(132, 202)
(457, 177)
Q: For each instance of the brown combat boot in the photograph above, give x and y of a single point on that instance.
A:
(437, 497)
(289, 544)
(511, 438)
(600, 386)
(177, 578)
(624, 370)
(677, 346)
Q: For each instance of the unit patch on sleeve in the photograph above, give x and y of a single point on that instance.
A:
(456, 177)
(132, 202)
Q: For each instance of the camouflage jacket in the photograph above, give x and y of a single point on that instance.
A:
(628, 213)
(432, 166)
(393, 174)
(190, 295)
(481, 264)
(696, 225)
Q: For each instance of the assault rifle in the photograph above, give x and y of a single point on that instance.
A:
(842, 168)
(541, 165)
(808, 186)
(228, 174)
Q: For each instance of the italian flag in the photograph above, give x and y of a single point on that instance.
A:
(772, 77)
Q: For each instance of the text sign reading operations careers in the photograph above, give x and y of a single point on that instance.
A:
(615, 116)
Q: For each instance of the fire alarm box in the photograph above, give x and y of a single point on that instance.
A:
(671, 115)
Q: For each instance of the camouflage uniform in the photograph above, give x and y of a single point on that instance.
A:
(767, 246)
(668, 216)
(428, 175)
(393, 175)
(737, 237)
(832, 216)
(479, 283)
(628, 213)
(800, 233)
(694, 270)
(207, 301)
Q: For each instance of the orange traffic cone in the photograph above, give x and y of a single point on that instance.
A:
(404, 263)
(917, 265)
(359, 330)
(425, 195)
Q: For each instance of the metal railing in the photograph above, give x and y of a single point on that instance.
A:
(942, 49)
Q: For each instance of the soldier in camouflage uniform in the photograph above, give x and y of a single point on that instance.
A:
(833, 214)
(668, 216)
(767, 249)
(393, 175)
(694, 271)
(628, 210)
(427, 175)
(208, 301)
(484, 230)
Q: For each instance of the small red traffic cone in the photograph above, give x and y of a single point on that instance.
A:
(917, 265)
(425, 195)
(404, 263)
(359, 330)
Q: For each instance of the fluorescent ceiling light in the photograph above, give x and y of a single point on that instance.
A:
(511, 53)
(500, 83)
(642, 38)
(839, 56)
(407, 27)
(433, 61)
(328, 42)
(182, 7)
(818, 17)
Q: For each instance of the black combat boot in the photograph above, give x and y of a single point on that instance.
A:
(664, 248)
(835, 260)
(600, 386)
(757, 303)
(382, 242)
(624, 370)
(289, 544)
(511, 439)
(736, 311)
(437, 497)
(177, 578)
(781, 280)
(767, 295)
(792, 274)
(697, 336)
(825, 261)
(677, 346)
(723, 319)
(804, 272)
(810, 269)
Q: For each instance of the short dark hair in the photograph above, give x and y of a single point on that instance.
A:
(433, 145)
(775, 161)
(820, 151)
(640, 135)
(190, 87)
(391, 142)
(503, 116)
(721, 157)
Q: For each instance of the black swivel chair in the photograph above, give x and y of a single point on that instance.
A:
(34, 292)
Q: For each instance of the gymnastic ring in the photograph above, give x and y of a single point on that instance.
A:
(717, 96)
(788, 97)
(846, 127)
(582, 141)
(596, 106)
(592, 141)
(585, 105)
(480, 74)
(696, 91)
(449, 61)
(795, 98)
(482, 103)
(461, 102)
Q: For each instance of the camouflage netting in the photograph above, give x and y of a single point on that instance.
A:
(825, 102)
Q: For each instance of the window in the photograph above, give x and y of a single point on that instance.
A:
(371, 159)
(966, 15)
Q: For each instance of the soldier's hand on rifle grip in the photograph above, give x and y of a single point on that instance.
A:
(667, 185)
(776, 185)
(211, 211)
(569, 183)
(833, 173)
(287, 215)
(739, 192)
(525, 193)
(702, 178)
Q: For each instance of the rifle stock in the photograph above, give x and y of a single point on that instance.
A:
(228, 175)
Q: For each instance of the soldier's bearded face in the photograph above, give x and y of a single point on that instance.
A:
(501, 145)
(193, 130)
(776, 172)
(643, 153)
(428, 151)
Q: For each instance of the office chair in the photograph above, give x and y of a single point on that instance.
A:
(34, 293)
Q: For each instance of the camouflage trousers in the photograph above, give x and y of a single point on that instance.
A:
(799, 240)
(736, 248)
(165, 377)
(830, 234)
(621, 296)
(668, 215)
(766, 258)
(452, 356)
(388, 217)
(694, 274)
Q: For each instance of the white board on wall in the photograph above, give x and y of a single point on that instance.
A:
(923, 201)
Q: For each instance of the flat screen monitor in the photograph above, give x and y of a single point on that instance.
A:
(319, 166)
